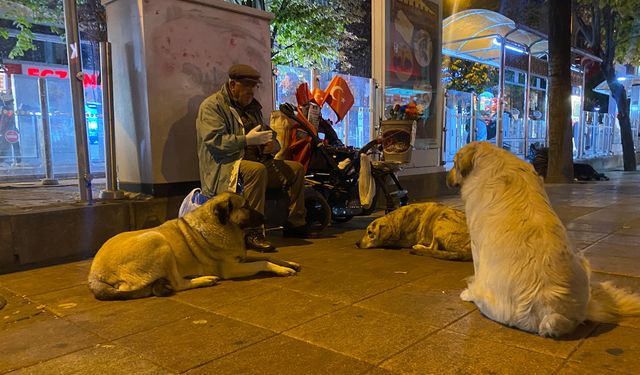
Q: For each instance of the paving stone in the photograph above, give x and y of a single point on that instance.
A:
(427, 303)
(613, 264)
(68, 301)
(573, 368)
(104, 358)
(192, 342)
(227, 292)
(283, 355)
(115, 319)
(477, 325)
(20, 310)
(361, 333)
(610, 348)
(279, 310)
(447, 352)
(25, 345)
(44, 280)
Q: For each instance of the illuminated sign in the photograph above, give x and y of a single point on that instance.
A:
(88, 79)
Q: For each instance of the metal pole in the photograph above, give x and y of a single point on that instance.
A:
(525, 116)
(581, 118)
(106, 78)
(77, 96)
(46, 134)
(499, 109)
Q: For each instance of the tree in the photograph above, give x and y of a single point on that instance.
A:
(560, 168)
(27, 13)
(311, 33)
(468, 76)
(611, 29)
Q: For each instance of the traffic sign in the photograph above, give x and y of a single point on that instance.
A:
(12, 136)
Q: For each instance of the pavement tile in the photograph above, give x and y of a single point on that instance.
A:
(477, 325)
(20, 310)
(188, 343)
(593, 226)
(573, 368)
(68, 301)
(426, 303)
(448, 352)
(227, 292)
(105, 358)
(279, 310)
(582, 240)
(361, 333)
(25, 345)
(115, 319)
(610, 348)
(283, 355)
(44, 280)
(616, 249)
(613, 264)
(345, 287)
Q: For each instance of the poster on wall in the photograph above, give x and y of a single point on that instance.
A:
(413, 60)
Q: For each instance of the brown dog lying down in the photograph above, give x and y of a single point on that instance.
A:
(190, 252)
(429, 229)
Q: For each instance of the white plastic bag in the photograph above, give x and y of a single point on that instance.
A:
(189, 203)
(366, 183)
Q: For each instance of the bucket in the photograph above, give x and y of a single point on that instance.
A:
(396, 140)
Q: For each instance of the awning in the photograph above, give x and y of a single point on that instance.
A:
(477, 34)
(627, 80)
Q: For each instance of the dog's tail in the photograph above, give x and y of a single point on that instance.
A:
(607, 303)
(106, 292)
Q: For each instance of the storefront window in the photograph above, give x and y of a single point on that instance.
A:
(413, 64)
(513, 111)
(537, 110)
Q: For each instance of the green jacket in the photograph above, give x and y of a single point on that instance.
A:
(221, 143)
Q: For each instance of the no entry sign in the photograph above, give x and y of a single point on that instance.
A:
(11, 136)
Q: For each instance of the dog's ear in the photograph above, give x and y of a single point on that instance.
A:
(464, 163)
(222, 210)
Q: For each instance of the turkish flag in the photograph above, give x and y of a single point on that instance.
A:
(303, 95)
(339, 96)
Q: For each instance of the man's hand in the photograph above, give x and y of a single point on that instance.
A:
(256, 137)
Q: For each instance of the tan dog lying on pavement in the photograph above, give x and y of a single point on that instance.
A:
(190, 252)
(526, 273)
(428, 228)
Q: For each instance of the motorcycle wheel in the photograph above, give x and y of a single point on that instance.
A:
(318, 211)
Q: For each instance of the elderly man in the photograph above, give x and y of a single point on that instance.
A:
(232, 148)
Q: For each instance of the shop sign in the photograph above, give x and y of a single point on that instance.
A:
(11, 136)
(88, 79)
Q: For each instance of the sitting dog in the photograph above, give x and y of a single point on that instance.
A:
(190, 252)
(428, 228)
(526, 274)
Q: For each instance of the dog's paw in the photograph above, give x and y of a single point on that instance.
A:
(466, 295)
(295, 266)
(203, 281)
(283, 271)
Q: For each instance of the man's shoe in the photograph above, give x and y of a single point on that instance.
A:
(296, 232)
(255, 241)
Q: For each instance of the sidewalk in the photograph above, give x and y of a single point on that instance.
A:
(349, 311)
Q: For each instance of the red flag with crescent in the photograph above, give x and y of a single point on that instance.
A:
(303, 95)
(339, 96)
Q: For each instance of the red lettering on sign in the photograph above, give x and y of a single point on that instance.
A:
(88, 80)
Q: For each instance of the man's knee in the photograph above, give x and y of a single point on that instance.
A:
(253, 171)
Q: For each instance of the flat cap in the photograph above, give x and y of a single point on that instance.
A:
(243, 72)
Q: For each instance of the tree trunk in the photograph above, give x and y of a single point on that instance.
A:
(620, 96)
(617, 91)
(560, 168)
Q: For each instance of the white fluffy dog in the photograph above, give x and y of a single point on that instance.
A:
(526, 274)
